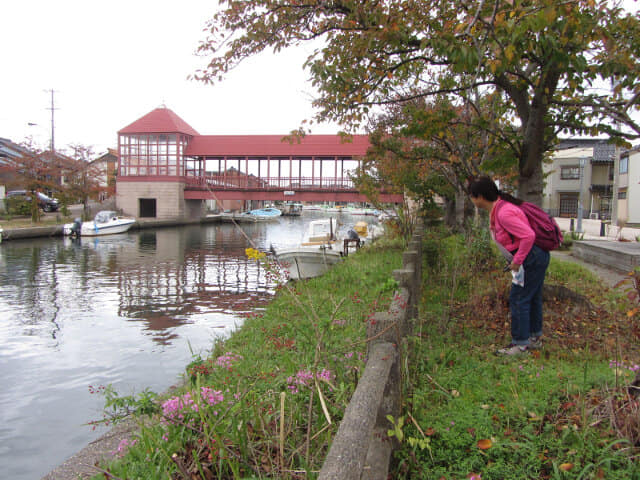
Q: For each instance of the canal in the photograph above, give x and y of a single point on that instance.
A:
(128, 310)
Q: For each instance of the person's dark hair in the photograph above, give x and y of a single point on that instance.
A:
(486, 187)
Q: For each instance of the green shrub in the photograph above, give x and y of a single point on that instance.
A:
(481, 248)
(18, 206)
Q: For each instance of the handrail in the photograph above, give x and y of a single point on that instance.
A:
(243, 182)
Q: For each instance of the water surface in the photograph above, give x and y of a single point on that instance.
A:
(129, 310)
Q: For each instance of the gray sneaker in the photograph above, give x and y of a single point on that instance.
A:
(513, 349)
(535, 343)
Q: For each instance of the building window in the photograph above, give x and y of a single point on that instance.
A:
(624, 165)
(570, 172)
(622, 195)
(568, 204)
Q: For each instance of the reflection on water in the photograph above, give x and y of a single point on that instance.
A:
(130, 310)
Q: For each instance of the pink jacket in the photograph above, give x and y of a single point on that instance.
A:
(511, 229)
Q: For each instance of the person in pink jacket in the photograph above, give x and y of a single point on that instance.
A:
(512, 233)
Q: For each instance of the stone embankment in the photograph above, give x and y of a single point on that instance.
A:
(8, 233)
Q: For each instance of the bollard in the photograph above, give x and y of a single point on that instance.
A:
(571, 227)
(602, 229)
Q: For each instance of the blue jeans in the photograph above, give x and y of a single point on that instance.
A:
(526, 302)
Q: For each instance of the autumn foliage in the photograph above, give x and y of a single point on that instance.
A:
(560, 67)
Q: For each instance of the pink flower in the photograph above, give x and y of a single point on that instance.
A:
(123, 446)
(211, 396)
(304, 378)
(227, 360)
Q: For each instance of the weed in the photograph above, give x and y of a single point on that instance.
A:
(561, 413)
(267, 400)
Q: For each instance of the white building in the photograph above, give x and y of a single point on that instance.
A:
(582, 170)
(629, 187)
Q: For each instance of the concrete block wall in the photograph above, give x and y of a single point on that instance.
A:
(361, 448)
(169, 196)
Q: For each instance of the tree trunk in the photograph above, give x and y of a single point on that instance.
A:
(530, 183)
(449, 212)
(461, 197)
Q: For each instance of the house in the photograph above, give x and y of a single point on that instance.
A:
(581, 175)
(107, 165)
(628, 206)
(9, 151)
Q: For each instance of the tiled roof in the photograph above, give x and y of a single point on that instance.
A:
(275, 145)
(603, 151)
(160, 120)
(10, 149)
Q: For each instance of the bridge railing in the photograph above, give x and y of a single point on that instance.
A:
(229, 182)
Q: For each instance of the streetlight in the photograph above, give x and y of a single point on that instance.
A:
(582, 163)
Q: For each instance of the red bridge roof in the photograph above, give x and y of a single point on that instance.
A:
(160, 120)
(274, 145)
(164, 120)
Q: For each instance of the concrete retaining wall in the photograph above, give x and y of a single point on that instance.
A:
(169, 197)
(362, 449)
(621, 256)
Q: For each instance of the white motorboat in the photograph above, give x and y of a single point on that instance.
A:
(105, 222)
(318, 251)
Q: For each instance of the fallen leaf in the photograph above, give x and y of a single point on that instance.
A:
(565, 467)
(484, 444)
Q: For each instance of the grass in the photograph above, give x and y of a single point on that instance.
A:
(268, 400)
(560, 413)
(46, 220)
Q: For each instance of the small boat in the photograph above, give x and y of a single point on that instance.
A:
(268, 213)
(106, 222)
(291, 209)
(318, 251)
(334, 209)
(387, 215)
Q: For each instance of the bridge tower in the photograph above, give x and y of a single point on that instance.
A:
(151, 171)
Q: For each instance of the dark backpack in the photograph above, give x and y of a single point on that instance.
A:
(548, 234)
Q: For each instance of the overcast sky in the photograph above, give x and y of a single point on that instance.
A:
(112, 62)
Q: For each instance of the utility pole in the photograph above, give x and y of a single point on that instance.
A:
(616, 167)
(52, 108)
(582, 161)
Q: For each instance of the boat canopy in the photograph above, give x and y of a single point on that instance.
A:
(105, 216)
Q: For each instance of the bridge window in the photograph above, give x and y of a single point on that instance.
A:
(151, 154)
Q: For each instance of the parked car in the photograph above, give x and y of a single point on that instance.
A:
(46, 203)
